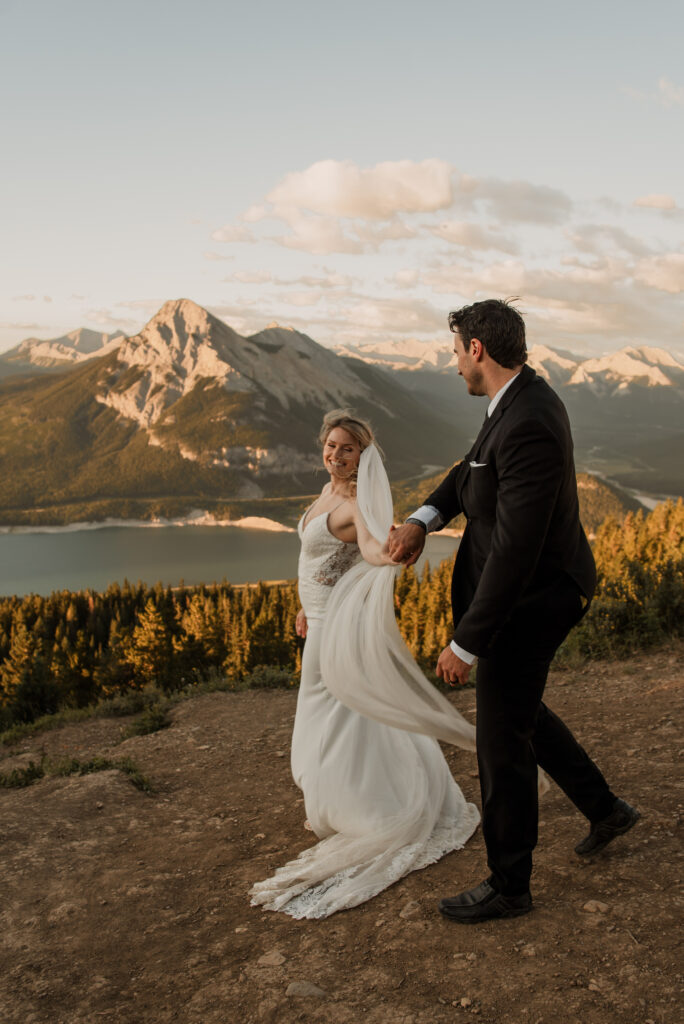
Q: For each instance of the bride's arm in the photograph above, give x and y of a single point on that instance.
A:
(371, 549)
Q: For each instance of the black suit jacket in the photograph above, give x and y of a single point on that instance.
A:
(518, 490)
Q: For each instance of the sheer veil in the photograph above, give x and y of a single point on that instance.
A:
(365, 663)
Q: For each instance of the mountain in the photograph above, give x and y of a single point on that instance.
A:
(67, 350)
(626, 408)
(188, 408)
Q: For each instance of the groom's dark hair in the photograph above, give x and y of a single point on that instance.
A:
(498, 325)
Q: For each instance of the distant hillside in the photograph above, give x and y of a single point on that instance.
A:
(597, 498)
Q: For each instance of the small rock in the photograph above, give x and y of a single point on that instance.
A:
(465, 1002)
(529, 951)
(595, 907)
(260, 835)
(271, 959)
(99, 805)
(594, 986)
(279, 753)
(304, 990)
(410, 909)
(241, 928)
(471, 956)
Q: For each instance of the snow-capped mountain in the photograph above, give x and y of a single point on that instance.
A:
(612, 374)
(184, 346)
(409, 354)
(69, 349)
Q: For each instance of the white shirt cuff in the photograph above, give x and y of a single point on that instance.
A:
(429, 517)
(460, 653)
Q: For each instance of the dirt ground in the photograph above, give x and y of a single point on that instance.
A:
(118, 906)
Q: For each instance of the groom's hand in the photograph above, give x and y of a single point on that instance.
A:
(451, 668)
(406, 543)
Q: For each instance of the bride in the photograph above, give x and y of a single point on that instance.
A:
(377, 790)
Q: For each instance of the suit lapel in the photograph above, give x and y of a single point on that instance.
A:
(525, 377)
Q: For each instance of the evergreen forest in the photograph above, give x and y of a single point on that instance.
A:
(73, 650)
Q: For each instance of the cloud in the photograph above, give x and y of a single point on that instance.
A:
(23, 298)
(310, 298)
(319, 236)
(522, 201)
(669, 94)
(21, 326)
(106, 318)
(219, 256)
(343, 189)
(47, 298)
(396, 316)
(656, 201)
(599, 238)
(330, 279)
(472, 236)
(233, 233)
(665, 273)
(406, 278)
(252, 276)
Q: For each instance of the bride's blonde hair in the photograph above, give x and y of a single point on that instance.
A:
(361, 430)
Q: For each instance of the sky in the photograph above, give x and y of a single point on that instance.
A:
(354, 170)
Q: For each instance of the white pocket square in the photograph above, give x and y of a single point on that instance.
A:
(477, 465)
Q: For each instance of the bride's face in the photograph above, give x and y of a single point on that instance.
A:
(341, 453)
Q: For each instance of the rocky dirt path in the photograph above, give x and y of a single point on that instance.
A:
(126, 908)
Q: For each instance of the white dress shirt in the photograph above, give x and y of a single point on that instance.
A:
(431, 518)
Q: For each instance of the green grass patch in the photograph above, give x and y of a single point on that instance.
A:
(19, 778)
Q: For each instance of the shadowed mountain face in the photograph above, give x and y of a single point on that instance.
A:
(188, 407)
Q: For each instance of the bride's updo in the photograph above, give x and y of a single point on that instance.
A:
(359, 429)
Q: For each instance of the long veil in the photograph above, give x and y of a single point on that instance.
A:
(365, 663)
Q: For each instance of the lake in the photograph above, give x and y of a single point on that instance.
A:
(39, 563)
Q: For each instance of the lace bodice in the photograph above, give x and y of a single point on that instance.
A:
(323, 560)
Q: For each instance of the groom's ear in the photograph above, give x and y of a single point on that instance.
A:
(477, 349)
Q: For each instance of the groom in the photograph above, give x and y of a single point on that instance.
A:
(524, 576)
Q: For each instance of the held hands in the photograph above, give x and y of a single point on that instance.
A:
(451, 668)
(405, 543)
(300, 623)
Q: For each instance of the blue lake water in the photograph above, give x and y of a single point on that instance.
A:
(39, 563)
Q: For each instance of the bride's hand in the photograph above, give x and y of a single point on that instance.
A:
(406, 543)
(300, 623)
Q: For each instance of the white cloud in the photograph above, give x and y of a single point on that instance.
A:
(330, 279)
(106, 318)
(666, 272)
(472, 236)
(657, 201)
(601, 238)
(219, 256)
(233, 233)
(343, 189)
(522, 201)
(23, 298)
(406, 278)
(670, 95)
(396, 316)
(318, 235)
(310, 298)
(252, 276)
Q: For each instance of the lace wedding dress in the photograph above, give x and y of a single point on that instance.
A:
(377, 790)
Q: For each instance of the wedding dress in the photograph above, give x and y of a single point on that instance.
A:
(378, 792)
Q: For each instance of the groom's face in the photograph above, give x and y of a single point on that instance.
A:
(468, 367)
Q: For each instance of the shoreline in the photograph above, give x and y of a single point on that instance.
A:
(199, 518)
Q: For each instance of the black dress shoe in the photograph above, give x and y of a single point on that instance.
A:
(483, 904)
(619, 821)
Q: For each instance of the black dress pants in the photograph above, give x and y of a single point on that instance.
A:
(516, 732)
